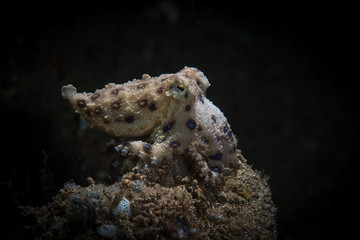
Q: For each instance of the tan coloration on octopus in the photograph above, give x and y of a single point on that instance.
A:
(171, 111)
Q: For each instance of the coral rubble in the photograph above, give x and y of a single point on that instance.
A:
(184, 208)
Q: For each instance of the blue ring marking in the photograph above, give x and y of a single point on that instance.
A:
(152, 107)
(201, 99)
(174, 144)
(191, 124)
(217, 156)
(143, 103)
(187, 108)
(168, 127)
(226, 128)
(215, 169)
(140, 86)
(213, 118)
(160, 90)
(147, 146)
(230, 134)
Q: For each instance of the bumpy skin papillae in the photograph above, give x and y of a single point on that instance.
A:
(172, 109)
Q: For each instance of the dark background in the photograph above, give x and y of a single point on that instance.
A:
(283, 82)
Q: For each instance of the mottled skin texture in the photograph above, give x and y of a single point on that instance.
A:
(173, 114)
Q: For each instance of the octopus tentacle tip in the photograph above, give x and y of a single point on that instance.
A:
(68, 91)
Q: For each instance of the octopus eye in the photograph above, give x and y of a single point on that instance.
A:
(180, 87)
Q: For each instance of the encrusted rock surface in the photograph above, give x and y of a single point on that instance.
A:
(162, 206)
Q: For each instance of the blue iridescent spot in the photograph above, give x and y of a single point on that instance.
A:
(152, 107)
(201, 99)
(217, 156)
(168, 127)
(215, 169)
(142, 103)
(147, 147)
(187, 108)
(226, 128)
(160, 90)
(213, 118)
(205, 140)
(174, 144)
(230, 134)
(191, 124)
(140, 86)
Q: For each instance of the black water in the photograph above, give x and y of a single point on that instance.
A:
(283, 81)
